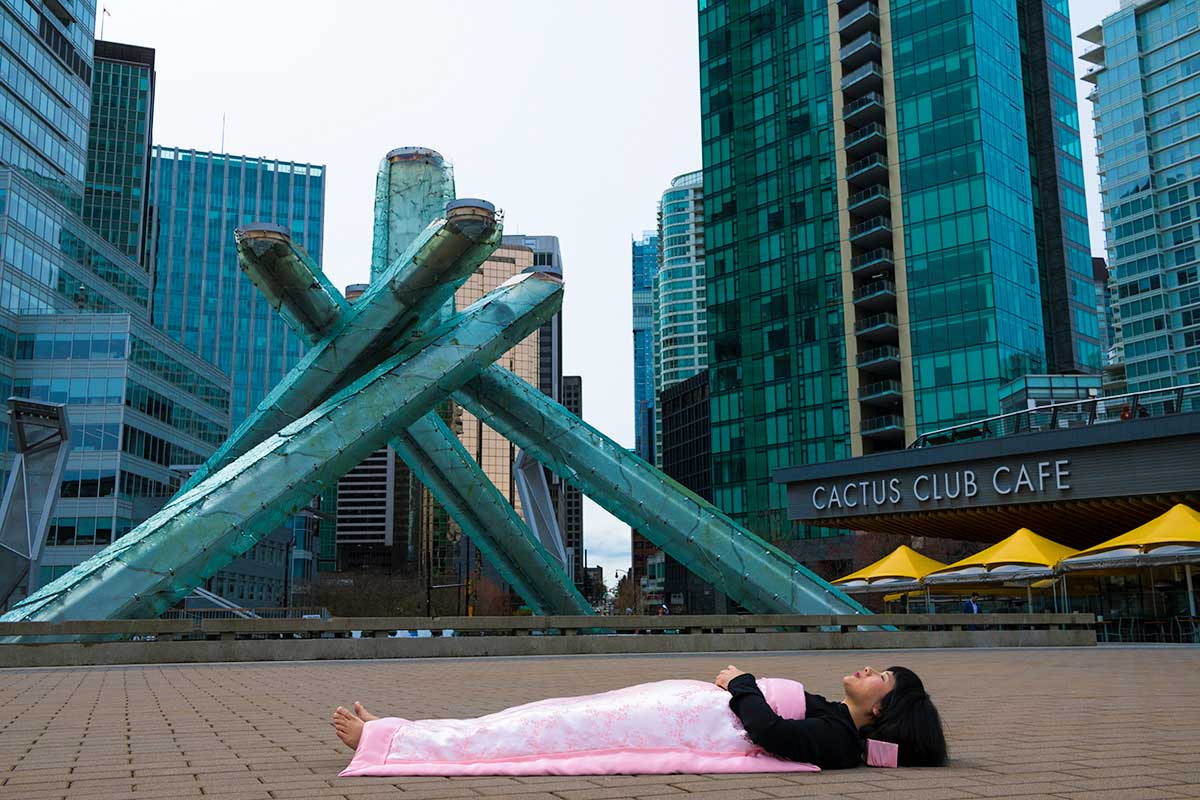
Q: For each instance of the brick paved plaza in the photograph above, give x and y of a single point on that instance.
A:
(1067, 723)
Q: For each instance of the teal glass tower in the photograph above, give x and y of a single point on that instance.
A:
(118, 166)
(1146, 105)
(644, 258)
(46, 78)
(74, 299)
(677, 292)
(875, 266)
(201, 298)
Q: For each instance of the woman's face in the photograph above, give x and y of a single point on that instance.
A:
(868, 686)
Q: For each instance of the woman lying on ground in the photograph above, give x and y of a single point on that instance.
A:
(768, 725)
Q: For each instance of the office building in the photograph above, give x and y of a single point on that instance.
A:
(1110, 325)
(687, 457)
(74, 302)
(201, 298)
(644, 258)
(871, 247)
(1146, 107)
(47, 78)
(203, 301)
(547, 256)
(117, 187)
(678, 310)
(572, 498)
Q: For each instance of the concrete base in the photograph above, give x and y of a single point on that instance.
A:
(228, 650)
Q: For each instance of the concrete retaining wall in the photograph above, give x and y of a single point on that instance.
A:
(290, 649)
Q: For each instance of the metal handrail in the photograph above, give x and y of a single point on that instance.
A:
(876, 319)
(878, 254)
(1090, 414)
(873, 288)
(881, 422)
(876, 353)
(867, 99)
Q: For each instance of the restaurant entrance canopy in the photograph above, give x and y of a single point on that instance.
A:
(1085, 484)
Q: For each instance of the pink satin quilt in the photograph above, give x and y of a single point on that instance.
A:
(651, 728)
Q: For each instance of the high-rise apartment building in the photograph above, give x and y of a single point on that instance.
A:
(117, 187)
(1146, 106)
(677, 295)
(644, 258)
(871, 247)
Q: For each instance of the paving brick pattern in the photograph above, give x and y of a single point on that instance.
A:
(1091, 723)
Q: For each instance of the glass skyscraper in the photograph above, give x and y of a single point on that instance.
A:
(1146, 106)
(677, 293)
(644, 258)
(872, 247)
(74, 302)
(201, 297)
(116, 203)
(46, 78)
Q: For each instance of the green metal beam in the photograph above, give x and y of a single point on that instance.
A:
(149, 569)
(758, 575)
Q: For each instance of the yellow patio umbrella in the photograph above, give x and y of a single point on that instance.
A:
(899, 570)
(1169, 539)
(1024, 556)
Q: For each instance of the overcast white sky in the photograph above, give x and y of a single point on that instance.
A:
(571, 116)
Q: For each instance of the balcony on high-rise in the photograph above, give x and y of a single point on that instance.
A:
(876, 327)
(882, 360)
(869, 170)
(881, 393)
(859, 20)
(876, 260)
(872, 233)
(884, 425)
(868, 108)
(865, 48)
(876, 295)
(870, 201)
(870, 138)
(862, 80)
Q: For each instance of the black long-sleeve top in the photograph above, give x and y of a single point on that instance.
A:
(826, 736)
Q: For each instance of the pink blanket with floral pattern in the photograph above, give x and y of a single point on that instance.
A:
(661, 727)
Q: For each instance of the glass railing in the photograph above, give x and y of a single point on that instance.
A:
(873, 288)
(880, 255)
(869, 99)
(863, 164)
(868, 39)
(884, 353)
(1149, 404)
(865, 132)
(866, 70)
(857, 14)
(870, 226)
(876, 192)
(879, 388)
(882, 422)
(885, 319)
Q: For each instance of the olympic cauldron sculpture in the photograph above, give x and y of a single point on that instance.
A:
(374, 374)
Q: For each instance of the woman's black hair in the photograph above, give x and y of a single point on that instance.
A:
(908, 718)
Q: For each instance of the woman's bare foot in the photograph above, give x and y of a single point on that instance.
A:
(349, 727)
(362, 713)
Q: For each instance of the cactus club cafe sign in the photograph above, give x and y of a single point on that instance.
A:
(1020, 481)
